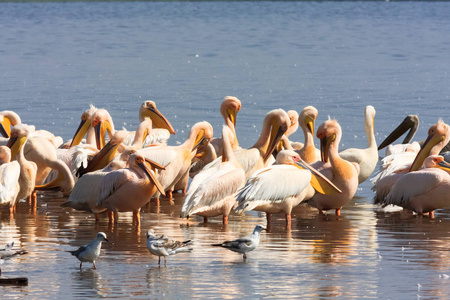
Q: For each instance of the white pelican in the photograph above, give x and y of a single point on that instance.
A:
(85, 128)
(425, 190)
(42, 152)
(131, 188)
(161, 127)
(212, 192)
(28, 169)
(293, 116)
(228, 109)
(438, 138)
(280, 187)
(201, 159)
(9, 179)
(8, 118)
(275, 124)
(307, 118)
(103, 123)
(342, 173)
(367, 158)
(177, 159)
(411, 123)
(105, 155)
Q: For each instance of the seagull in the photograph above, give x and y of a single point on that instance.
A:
(7, 252)
(91, 251)
(163, 246)
(244, 244)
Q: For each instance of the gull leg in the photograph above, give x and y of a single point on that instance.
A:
(81, 263)
(95, 268)
(165, 261)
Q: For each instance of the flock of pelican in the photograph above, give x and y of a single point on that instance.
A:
(104, 170)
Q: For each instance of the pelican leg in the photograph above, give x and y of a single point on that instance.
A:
(11, 209)
(137, 216)
(169, 194)
(116, 217)
(111, 216)
(431, 214)
(157, 201)
(268, 217)
(320, 212)
(288, 221)
(183, 191)
(338, 212)
(97, 217)
(225, 220)
(95, 268)
(205, 220)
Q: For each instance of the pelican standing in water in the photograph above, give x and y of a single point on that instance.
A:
(129, 189)
(342, 173)
(438, 138)
(177, 159)
(282, 186)
(425, 190)
(212, 191)
(9, 179)
(28, 169)
(367, 158)
(275, 124)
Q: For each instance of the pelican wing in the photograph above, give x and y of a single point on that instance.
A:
(163, 155)
(274, 183)
(9, 178)
(157, 135)
(212, 185)
(112, 182)
(414, 184)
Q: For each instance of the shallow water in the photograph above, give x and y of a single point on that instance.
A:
(57, 58)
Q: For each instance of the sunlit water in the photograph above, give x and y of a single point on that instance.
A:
(57, 58)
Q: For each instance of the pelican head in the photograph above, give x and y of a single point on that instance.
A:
(5, 155)
(307, 118)
(148, 110)
(293, 116)
(329, 133)
(438, 137)
(8, 118)
(229, 108)
(104, 156)
(201, 133)
(102, 123)
(19, 134)
(148, 167)
(85, 124)
(279, 122)
(287, 157)
(369, 116)
(411, 123)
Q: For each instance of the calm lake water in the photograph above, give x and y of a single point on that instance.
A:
(57, 58)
